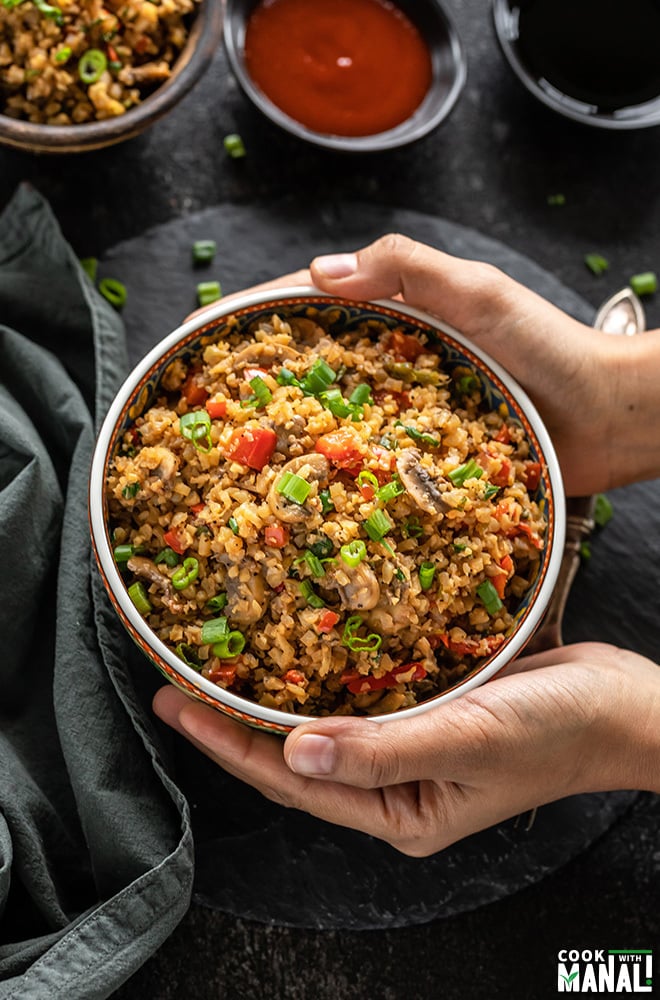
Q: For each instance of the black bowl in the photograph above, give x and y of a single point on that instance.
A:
(448, 69)
(191, 64)
(639, 115)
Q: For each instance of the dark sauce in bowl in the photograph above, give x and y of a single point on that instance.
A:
(593, 60)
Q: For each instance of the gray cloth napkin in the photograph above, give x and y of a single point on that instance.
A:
(96, 855)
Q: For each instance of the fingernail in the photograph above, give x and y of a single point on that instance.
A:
(337, 265)
(313, 755)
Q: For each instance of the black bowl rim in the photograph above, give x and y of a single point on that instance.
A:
(410, 130)
(201, 44)
(568, 109)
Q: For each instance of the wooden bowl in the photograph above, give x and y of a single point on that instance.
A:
(195, 58)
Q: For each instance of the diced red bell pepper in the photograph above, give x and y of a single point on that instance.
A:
(531, 475)
(252, 447)
(470, 647)
(500, 581)
(174, 540)
(327, 621)
(524, 529)
(360, 684)
(404, 345)
(197, 508)
(501, 477)
(503, 435)
(342, 448)
(367, 492)
(276, 536)
(294, 677)
(194, 393)
(224, 672)
(216, 408)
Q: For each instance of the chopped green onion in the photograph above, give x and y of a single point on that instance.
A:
(389, 442)
(333, 400)
(556, 199)
(490, 597)
(208, 291)
(319, 377)
(468, 470)
(357, 643)
(90, 266)
(233, 524)
(188, 654)
(229, 646)
(123, 553)
(585, 551)
(92, 65)
(426, 574)
(286, 377)
(361, 395)
(203, 251)
(467, 384)
(168, 556)
(138, 595)
(353, 552)
(293, 487)
(130, 491)
(195, 426)
(645, 283)
(217, 603)
(261, 391)
(400, 575)
(459, 546)
(412, 528)
(313, 562)
(603, 510)
(310, 595)
(367, 478)
(416, 435)
(214, 630)
(377, 525)
(54, 13)
(113, 291)
(490, 491)
(234, 146)
(185, 574)
(326, 501)
(596, 263)
(390, 490)
(322, 547)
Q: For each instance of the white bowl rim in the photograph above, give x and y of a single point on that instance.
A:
(268, 716)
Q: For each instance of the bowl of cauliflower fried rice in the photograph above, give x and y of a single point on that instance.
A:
(84, 74)
(304, 506)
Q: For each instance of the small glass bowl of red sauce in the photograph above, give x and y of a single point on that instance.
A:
(350, 75)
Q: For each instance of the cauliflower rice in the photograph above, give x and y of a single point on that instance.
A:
(71, 61)
(326, 525)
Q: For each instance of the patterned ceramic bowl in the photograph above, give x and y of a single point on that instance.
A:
(498, 388)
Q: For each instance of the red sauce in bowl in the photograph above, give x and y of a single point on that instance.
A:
(339, 67)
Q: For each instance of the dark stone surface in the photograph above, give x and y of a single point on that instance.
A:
(490, 167)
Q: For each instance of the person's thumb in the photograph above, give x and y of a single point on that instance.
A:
(463, 293)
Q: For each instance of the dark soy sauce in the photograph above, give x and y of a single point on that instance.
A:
(601, 52)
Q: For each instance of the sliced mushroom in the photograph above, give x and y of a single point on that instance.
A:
(358, 586)
(313, 468)
(264, 353)
(288, 434)
(159, 462)
(245, 594)
(141, 566)
(419, 483)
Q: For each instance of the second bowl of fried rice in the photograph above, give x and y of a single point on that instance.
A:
(305, 506)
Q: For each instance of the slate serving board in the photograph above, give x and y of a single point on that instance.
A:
(255, 859)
